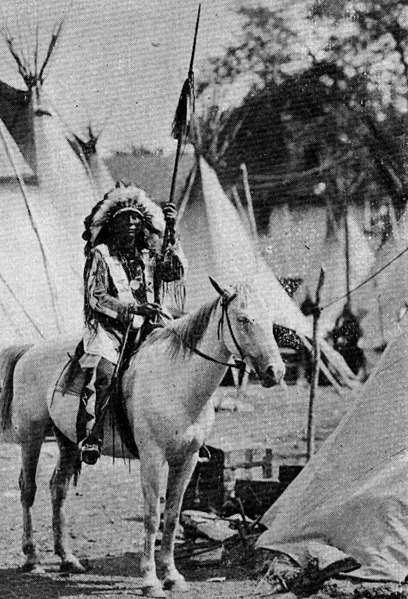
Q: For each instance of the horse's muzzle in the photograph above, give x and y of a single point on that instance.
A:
(272, 375)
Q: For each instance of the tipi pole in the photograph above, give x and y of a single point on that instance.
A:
(34, 227)
(248, 197)
(21, 305)
(324, 368)
(347, 250)
(393, 219)
(311, 426)
(240, 207)
(10, 319)
(88, 171)
(186, 194)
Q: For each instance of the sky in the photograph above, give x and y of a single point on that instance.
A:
(119, 65)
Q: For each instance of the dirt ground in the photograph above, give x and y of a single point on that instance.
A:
(105, 513)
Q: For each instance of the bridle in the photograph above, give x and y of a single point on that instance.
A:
(240, 364)
(225, 302)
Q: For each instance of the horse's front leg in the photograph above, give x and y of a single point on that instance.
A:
(151, 465)
(178, 479)
(68, 464)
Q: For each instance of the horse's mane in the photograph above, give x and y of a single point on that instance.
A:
(185, 333)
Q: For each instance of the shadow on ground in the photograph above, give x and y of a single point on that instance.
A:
(107, 576)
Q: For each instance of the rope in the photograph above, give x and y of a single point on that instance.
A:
(365, 281)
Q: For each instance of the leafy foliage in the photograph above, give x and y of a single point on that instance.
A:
(326, 84)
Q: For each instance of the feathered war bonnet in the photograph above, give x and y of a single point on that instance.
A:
(124, 198)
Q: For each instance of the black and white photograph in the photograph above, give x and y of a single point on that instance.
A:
(204, 299)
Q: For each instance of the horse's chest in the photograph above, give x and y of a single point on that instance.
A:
(178, 430)
(197, 429)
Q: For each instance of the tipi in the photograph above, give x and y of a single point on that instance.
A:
(45, 196)
(216, 243)
(84, 144)
(385, 296)
(294, 239)
(346, 257)
(350, 500)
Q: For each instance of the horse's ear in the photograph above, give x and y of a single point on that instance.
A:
(226, 295)
(217, 288)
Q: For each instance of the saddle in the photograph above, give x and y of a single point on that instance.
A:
(67, 404)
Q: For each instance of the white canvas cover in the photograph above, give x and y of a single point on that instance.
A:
(385, 296)
(41, 226)
(332, 256)
(353, 494)
(22, 271)
(295, 238)
(61, 175)
(99, 174)
(85, 145)
(39, 302)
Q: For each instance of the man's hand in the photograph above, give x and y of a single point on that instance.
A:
(170, 213)
(148, 310)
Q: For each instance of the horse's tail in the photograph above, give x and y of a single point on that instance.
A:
(8, 360)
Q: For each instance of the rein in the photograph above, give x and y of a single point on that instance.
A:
(239, 364)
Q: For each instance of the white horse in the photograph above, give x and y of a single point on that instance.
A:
(167, 391)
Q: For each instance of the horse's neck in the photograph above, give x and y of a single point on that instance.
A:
(213, 363)
(212, 342)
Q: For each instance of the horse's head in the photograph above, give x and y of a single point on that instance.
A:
(247, 331)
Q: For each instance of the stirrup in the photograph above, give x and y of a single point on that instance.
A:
(90, 453)
(204, 455)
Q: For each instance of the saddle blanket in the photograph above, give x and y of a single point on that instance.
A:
(64, 402)
(70, 410)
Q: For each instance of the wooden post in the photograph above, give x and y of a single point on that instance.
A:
(267, 467)
(311, 426)
(347, 252)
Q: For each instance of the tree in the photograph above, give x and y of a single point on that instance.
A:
(332, 81)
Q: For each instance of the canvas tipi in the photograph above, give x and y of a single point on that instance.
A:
(84, 144)
(350, 500)
(216, 243)
(346, 257)
(295, 238)
(45, 196)
(385, 296)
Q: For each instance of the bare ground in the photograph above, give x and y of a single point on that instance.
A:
(105, 514)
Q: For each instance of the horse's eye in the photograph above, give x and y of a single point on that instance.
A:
(244, 320)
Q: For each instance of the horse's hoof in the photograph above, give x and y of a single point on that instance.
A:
(32, 568)
(73, 566)
(153, 591)
(179, 585)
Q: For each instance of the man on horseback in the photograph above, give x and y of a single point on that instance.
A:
(127, 273)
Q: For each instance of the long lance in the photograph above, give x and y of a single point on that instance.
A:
(181, 121)
(179, 131)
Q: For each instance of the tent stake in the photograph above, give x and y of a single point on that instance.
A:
(311, 425)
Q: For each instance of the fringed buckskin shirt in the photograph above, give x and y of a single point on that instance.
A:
(113, 284)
